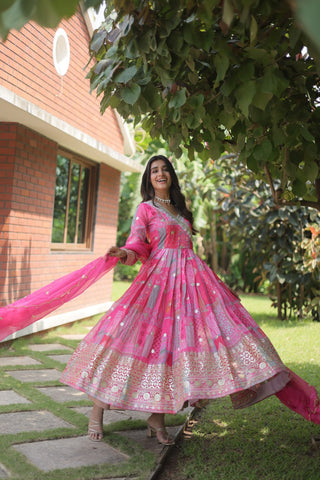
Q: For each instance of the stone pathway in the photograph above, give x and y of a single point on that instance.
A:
(33, 434)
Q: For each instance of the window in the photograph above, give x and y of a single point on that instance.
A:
(73, 203)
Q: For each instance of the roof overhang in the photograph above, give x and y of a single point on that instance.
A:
(14, 108)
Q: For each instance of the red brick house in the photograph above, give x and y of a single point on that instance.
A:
(60, 166)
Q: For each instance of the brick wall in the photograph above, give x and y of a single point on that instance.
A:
(27, 69)
(27, 186)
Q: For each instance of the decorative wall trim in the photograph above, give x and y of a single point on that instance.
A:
(14, 108)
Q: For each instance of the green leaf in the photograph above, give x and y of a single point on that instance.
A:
(48, 13)
(221, 63)
(151, 94)
(308, 14)
(253, 30)
(193, 121)
(306, 134)
(97, 41)
(244, 95)
(294, 35)
(125, 75)
(252, 164)
(299, 187)
(257, 54)
(228, 12)
(311, 170)
(178, 99)
(263, 151)
(273, 82)
(131, 94)
(114, 101)
(102, 65)
(5, 4)
(92, 3)
(196, 101)
(261, 99)
(17, 15)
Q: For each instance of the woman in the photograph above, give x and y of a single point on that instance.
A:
(178, 334)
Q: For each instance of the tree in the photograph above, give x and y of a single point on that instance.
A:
(215, 76)
(217, 80)
(280, 246)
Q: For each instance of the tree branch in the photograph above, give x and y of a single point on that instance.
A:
(273, 192)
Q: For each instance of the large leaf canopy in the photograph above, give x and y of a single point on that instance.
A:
(214, 76)
(238, 75)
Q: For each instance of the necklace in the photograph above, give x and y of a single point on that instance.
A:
(162, 200)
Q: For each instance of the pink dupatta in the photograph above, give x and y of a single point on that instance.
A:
(40, 303)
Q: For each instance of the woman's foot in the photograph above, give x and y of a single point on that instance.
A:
(156, 428)
(95, 428)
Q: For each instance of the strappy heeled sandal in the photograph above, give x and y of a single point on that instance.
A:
(161, 433)
(95, 431)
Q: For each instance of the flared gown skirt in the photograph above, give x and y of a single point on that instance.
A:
(177, 334)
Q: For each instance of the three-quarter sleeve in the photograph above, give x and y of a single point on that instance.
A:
(137, 246)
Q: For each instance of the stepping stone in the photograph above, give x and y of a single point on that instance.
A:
(136, 415)
(60, 358)
(69, 453)
(110, 416)
(46, 347)
(151, 444)
(63, 393)
(30, 421)
(6, 361)
(9, 397)
(5, 474)
(35, 375)
(74, 337)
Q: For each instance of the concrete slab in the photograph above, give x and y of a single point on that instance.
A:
(60, 358)
(30, 421)
(4, 473)
(73, 337)
(23, 360)
(63, 393)
(151, 444)
(69, 453)
(47, 347)
(10, 397)
(135, 415)
(109, 416)
(45, 375)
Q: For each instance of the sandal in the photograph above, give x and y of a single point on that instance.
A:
(95, 427)
(95, 431)
(161, 433)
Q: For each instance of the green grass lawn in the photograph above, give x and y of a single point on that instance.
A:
(267, 441)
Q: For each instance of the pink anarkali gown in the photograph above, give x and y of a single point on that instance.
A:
(177, 334)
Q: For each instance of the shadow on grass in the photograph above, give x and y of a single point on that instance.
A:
(266, 441)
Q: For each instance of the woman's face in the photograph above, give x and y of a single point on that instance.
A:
(160, 178)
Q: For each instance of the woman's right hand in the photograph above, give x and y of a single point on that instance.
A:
(116, 252)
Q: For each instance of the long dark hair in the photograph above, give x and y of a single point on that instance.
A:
(176, 196)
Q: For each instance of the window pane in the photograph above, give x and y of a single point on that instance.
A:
(73, 202)
(60, 199)
(73, 207)
(85, 177)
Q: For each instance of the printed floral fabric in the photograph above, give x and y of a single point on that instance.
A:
(177, 334)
